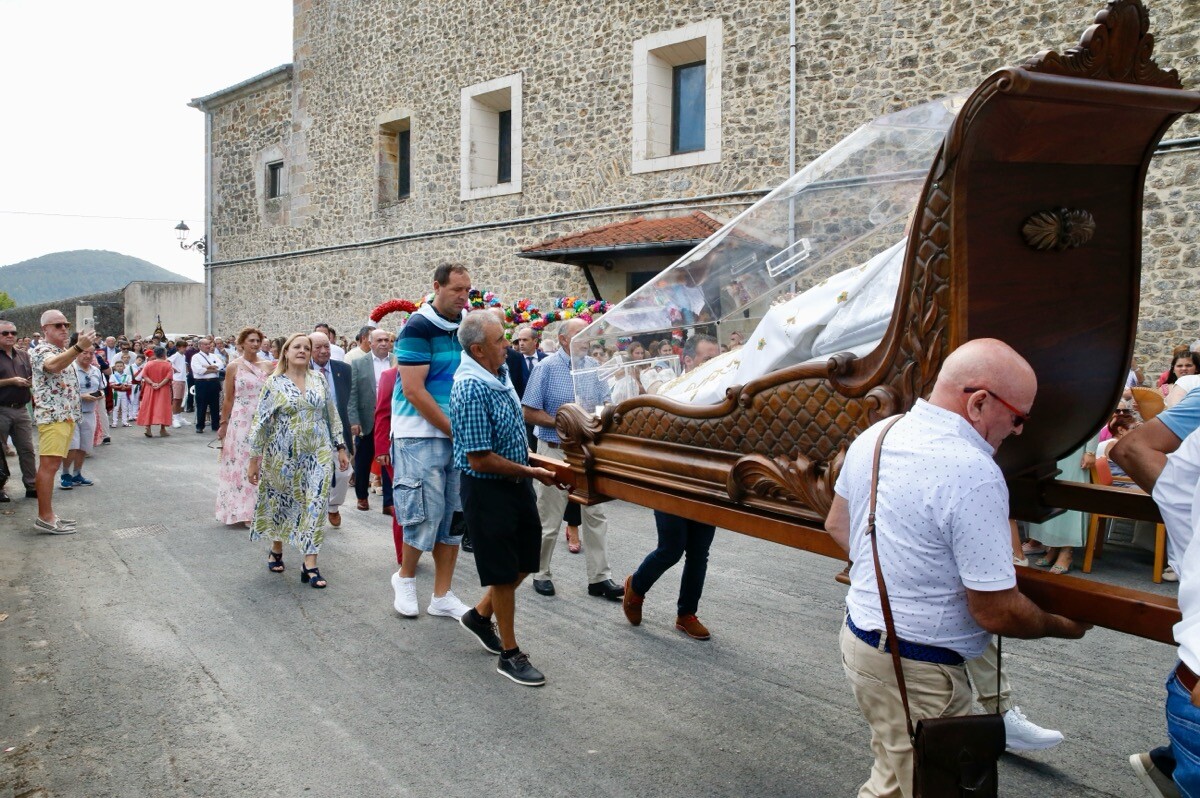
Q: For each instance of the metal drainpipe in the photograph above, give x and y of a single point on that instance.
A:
(208, 240)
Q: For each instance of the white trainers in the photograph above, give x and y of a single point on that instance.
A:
(1022, 734)
(1169, 575)
(447, 606)
(406, 596)
(175, 422)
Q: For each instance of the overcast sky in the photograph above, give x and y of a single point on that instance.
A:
(96, 122)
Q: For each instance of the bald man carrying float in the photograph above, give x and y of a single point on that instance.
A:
(944, 546)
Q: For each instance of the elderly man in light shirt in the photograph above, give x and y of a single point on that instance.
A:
(945, 549)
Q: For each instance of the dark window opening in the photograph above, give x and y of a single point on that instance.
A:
(687, 108)
(403, 165)
(504, 156)
(274, 180)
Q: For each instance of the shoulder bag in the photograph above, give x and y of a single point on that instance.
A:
(952, 757)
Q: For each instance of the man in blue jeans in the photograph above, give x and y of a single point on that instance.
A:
(677, 537)
(1163, 457)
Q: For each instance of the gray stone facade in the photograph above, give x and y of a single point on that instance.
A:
(333, 247)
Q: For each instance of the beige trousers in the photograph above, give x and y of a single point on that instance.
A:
(551, 503)
(982, 671)
(934, 691)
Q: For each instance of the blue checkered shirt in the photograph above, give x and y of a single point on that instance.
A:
(486, 420)
(550, 387)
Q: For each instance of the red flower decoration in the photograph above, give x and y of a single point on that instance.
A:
(392, 306)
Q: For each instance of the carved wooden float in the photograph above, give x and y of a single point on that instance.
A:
(1030, 214)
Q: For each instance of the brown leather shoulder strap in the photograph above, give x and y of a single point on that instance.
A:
(884, 604)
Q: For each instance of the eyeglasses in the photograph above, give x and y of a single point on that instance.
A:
(8, 332)
(62, 324)
(1018, 418)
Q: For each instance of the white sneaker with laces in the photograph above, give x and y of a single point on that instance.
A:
(1022, 734)
(447, 606)
(406, 596)
(176, 423)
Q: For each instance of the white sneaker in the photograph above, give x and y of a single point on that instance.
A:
(1021, 734)
(447, 606)
(1169, 575)
(406, 596)
(175, 422)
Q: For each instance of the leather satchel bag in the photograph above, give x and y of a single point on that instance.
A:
(952, 757)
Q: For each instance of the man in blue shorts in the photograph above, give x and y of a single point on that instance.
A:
(425, 481)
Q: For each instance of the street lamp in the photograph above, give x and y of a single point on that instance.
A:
(181, 232)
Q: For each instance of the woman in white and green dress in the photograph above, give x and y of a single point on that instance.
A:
(1064, 532)
(293, 438)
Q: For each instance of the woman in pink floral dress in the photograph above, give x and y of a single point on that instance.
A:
(244, 378)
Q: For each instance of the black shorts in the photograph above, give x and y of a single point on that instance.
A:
(506, 532)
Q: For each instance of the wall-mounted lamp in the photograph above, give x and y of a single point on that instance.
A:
(181, 232)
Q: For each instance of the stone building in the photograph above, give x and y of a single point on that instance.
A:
(404, 135)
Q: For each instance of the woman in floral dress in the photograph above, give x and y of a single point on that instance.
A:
(292, 440)
(244, 380)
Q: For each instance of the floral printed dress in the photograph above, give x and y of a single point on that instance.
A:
(295, 432)
(235, 494)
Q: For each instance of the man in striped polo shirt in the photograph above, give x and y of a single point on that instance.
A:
(425, 481)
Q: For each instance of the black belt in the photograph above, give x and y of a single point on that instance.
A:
(919, 652)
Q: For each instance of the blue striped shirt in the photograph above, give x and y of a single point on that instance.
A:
(423, 343)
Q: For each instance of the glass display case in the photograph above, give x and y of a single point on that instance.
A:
(808, 271)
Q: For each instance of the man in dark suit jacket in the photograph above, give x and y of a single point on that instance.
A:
(522, 358)
(363, 383)
(337, 377)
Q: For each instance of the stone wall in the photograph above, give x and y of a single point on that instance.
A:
(357, 61)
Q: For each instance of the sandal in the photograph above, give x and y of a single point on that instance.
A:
(275, 561)
(149, 434)
(313, 574)
(1060, 569)
(574, 548)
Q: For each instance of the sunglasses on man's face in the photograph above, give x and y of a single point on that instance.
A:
(62, 324)
(8, 332)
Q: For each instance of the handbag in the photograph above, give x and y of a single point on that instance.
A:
(952, 757)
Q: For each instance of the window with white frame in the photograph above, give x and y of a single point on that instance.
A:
(490, 152)
(677, 98)
(394, 167)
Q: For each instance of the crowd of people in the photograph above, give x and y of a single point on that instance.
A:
(446, 413)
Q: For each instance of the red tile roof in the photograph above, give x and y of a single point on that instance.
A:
(696, 226)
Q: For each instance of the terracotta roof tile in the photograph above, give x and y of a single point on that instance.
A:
(695, 226)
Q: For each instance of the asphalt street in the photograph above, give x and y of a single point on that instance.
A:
(153, 654)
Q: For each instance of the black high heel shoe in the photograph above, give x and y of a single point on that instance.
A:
(275, 561)
(313, 574)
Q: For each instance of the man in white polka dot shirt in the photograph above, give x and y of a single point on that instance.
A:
(944, 543)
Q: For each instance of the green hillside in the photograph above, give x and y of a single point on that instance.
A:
(82, 271)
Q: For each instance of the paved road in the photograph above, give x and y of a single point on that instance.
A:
(153, 654)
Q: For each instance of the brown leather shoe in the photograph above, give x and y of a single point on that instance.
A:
(335, 519)
(631, 603)
(363, 504)
(691, 626)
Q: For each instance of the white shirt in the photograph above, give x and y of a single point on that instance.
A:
(1188, 382)
(179, 363)
(1183, 552)
(941, 525)
(381, 365)
(200, 361)
(337, 353)
(1174, 494)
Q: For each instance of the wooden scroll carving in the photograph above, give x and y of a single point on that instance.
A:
(1118, 47)
(1059, 229)
(809, 482)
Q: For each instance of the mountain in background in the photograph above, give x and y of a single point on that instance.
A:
(60, 275)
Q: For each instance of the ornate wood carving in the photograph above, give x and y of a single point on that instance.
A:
(1059, 229)
(578, 428)
(801, 480)
(1119, 47)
